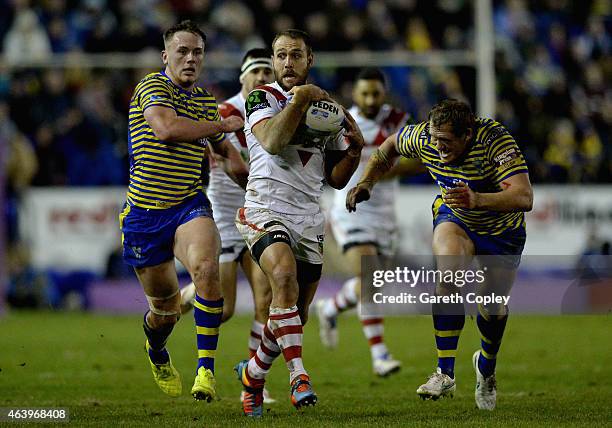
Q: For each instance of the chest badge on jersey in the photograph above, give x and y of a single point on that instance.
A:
(304, 156)
(450, 184)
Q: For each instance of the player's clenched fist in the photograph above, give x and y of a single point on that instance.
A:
(357, 194)
(352, 132)
(307, 94)
(232, 124)
(460, 197)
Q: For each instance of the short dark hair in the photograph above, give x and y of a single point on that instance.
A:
(296, 35)
(455, 112)
(257, 53)
(188, 26)
(371, 73)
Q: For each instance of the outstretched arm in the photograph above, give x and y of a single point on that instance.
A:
(380, 163)
(405, 167)
(170, 127)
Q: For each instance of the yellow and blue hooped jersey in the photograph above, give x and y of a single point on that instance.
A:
(164, 174)
(491, 157)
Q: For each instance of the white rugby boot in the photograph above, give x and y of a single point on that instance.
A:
(486, 387)
(328, 329)
(438, 385)
(384, 367)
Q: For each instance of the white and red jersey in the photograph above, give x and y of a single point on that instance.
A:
(221, 188)
(290, 182)
(225, 195)
(380, 208)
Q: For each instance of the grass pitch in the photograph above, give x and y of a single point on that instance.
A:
(553, 371)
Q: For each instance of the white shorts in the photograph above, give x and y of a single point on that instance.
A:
(231, 249)
(232, 242)
(305, 232)
(350, 232)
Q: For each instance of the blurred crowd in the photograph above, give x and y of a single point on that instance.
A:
(552, 59)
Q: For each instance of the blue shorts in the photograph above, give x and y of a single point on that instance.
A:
(148, 234)
(508, 243)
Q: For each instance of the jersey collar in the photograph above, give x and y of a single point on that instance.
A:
(277, 85)
(193, 91)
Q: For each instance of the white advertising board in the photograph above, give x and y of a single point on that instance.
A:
(77, 228)
(563, 218)
(72, 228)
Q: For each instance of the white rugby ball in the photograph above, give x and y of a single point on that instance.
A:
(324, 116)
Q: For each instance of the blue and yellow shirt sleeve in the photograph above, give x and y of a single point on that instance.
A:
(153, 92)
(410, 140)
(504, 154)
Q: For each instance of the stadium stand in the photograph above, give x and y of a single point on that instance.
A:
(552, 59)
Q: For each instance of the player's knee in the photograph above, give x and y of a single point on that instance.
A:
(164, 310)
(451, 249)
(283, 281)
(205, 273)
(452, 246)
(284, 277)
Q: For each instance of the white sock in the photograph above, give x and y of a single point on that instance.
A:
(345, 299)
(373, 330)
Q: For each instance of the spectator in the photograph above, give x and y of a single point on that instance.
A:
(237, 24)
(26, 40)
(417, 36)
(317, 25)
(560, 154)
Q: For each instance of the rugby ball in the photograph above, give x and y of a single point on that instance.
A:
(325, 117)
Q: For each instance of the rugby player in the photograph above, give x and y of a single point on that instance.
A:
(226, 197)
(282, 221)
(167, 215)
(373, 231)
(485, 191)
